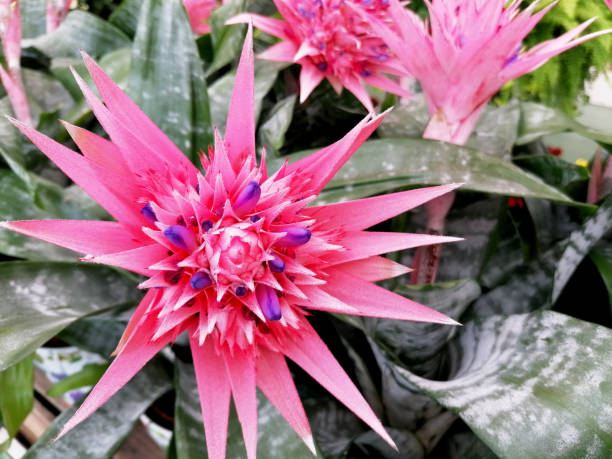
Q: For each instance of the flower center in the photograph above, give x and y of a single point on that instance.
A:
(235, 254)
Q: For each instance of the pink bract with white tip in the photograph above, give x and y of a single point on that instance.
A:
(234, 257)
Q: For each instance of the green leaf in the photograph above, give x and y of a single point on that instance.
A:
(408, 162)
(46, 94)
(99, 333)
(601, 255)
(418, 345)
(188, 428)
(529, 385)
(50, 201)
(41, 298)
(539, 120)
(80, 31)
(553, 170)
(17, 204)
(89, 375)
(272, 131)
(125, 16)
(580, 243)
(16, 394)
(221, 90)
(275, 438)
(226, 39)
(33, 17)
(173, 95)
(101, 434)
(538, 285)
(11, 147)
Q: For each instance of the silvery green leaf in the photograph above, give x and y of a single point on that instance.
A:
(530, 385)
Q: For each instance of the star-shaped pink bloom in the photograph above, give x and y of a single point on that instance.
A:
(332, 39)
(466, 52)
(234, 257)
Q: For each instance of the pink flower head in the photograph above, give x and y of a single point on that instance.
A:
(57, 10)
(199, 12)
(467, 52)
(10, 33)
(609, 3)
(332, 39)
(233, 256)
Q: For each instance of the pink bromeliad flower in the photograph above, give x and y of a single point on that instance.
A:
(199, 12)
(466, 52)
(332, 39)
(10, 33)
(57, 10)
(234, 257)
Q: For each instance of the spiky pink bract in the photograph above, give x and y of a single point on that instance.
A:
(10, 34)
(466, 52)
(332, 39)
(198, 12)
(233, 257)
(57, 10)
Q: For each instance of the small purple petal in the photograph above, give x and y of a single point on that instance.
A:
(149, 213)
(180, 237)
(247, 199)
(296, 235)
(200, 280)
(277, 265)
(254, 218)
(268, 302)
(241, 291)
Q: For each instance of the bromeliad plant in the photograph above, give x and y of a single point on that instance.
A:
(233, 256)
(332, 40)
(265, 282)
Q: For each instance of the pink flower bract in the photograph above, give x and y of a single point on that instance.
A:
(466, 52)
(199, 12)
(10, 33)
(332, 39)
(233, 257)
(57, 10)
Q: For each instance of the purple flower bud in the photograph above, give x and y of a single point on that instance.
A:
(254, 218)
(247, 199)
(268, 302)
(181, 237)
(296, 235)
(277, 265)
(200, 280)
(241, 290)
(149, 213)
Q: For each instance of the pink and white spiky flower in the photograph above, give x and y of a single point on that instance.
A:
(233, 257)
(198, 12)
(332, 39)
(10, 33)
(466, 52)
